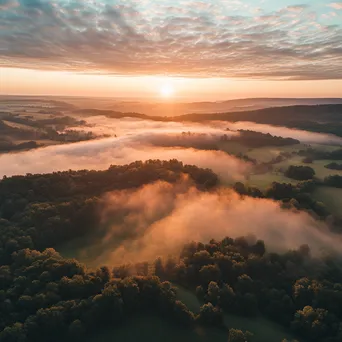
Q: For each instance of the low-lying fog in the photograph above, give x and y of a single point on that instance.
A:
(138, 139)
(162, 217)
(104, 125)
(165, 216)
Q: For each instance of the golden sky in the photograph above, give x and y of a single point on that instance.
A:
(203, 50)
(35, 82)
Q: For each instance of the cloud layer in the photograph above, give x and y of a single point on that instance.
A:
(187, 38)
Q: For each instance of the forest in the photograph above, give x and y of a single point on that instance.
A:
(45, 297)
(226, 230)
(257, 139)
(18, 133)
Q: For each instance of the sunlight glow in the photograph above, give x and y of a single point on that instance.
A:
(167, 90)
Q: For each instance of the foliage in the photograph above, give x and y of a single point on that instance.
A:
(239, 336)
(258, 139)
(239, 276)
(307, 118)
(64, 205)
(334, 181)
(300, 172)
(334, 166)
(45, 297)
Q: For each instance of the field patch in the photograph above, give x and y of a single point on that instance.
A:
(317, 165)
(263, 181)
(150, 328)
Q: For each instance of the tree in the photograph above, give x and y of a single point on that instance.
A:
(213, 293)
(14, 333)
(210, 315)
(76, 331)
(210, 273)
(236, 335)
(300, 172)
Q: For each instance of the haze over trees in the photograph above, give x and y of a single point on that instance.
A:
(47, 297)
(257, 139)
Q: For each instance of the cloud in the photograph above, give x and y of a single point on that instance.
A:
(336, 5)
(7, 4)
(160, 218)
(197, 39)
(302, 136)
(297, 8)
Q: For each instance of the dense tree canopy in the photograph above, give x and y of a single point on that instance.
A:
(60, 206)
(45, 297)
(334, 166)
(300, 172)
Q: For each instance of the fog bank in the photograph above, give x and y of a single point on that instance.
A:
(160, 218)
(100, 154)
(135, 139)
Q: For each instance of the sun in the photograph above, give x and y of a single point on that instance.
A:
(167, 90)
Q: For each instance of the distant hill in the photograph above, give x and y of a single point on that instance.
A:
(158, 107)
(276, 115)
(318, 118)
(273, 116)
(171, 108)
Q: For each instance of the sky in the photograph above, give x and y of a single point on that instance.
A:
(217, 49)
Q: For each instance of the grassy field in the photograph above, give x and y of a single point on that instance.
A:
(317, 165)
(266, 154)
(261, 154)
(331, 197)
(326, 148)
(155, 329)
(263, 181)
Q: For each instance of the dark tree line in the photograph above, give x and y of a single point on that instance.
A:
(8, 146)
(301, 173)
(315, 154)
(298, 197)
(47, 129)
(307, 118)
(64, 205)
(333, 181)
(334, 166)
(258, 139)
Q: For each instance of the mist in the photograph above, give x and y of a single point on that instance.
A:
(285, 132)
(160, 218)
(100, 154)
(135, 139)
(104, 125)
